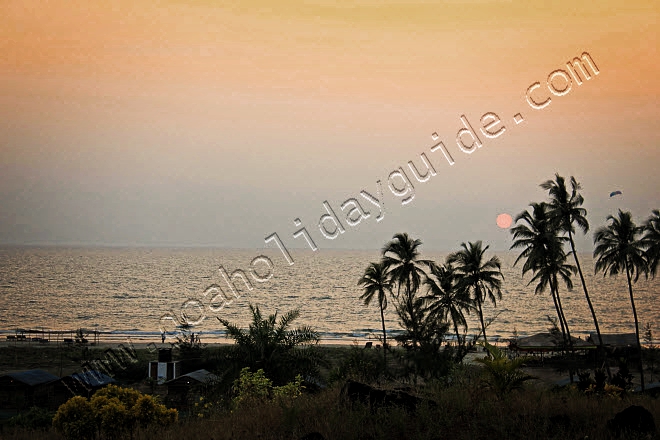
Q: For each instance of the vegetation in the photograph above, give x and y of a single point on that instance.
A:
(619, 248)
(483, 279)
(502, 374)
(270, 372)
(376, 282)
(401, 257)
(565, 212)
(544, 256)
(113, 412)
(270, 345)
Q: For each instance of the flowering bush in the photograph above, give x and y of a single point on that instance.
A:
(113, 411)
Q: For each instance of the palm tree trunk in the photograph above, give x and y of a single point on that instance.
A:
(459, 345)
(561, 321)
(568, 332)
(562, 316)
(458, 336)
(411, 311)
(481, 313)
(639, 345)
(601, 348)
(382, 320)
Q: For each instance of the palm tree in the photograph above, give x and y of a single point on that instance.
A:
(545, 256)
(376, 282)
(446, 300)
(651, 241)
(565, 212)
(619, 249)
(480, 278)
(402, 259)
(271, 345)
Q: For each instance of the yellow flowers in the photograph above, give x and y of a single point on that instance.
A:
(113, 410)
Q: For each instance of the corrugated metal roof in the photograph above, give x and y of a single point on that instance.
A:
(93, 378)
(201, 376)
(32, 377)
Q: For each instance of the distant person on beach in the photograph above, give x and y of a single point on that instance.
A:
(162, 337)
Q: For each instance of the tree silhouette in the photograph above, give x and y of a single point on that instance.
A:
(402, 259)
(651, 241)
(376, 283)
(619, 249)
(566, 212)
(445, 299)
(482, 278)
(544, 256)
(271, 345)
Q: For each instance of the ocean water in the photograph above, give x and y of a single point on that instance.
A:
(126, 291)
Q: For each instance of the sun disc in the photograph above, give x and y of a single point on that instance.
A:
(504, 221)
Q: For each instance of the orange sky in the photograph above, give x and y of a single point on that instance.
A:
(108, 105)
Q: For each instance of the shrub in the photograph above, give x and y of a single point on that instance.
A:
(503, 374)
(35, 418)
(75, 419)
(251, 387)
(113, 411)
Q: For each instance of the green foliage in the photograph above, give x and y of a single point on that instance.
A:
(270, 345)
(75, 419)
(113, 411)
(360, 365)
(256, 387)
(502, 374)
(34, 418)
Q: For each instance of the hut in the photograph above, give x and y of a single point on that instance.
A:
(185, 389)
(24, 389)
(620, 344)
(548, 343)
(84, 384)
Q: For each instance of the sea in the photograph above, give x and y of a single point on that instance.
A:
(139, 293)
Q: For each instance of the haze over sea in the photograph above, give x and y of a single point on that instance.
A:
(127, 290)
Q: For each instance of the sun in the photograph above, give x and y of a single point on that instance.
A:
(504, 221)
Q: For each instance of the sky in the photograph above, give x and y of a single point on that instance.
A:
(204, 123)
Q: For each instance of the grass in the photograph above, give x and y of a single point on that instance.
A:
(463, 410)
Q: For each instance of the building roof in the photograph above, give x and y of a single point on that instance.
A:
(199, 376)
(616, 339)
(93, 378)
(548, 341)
(32, 377)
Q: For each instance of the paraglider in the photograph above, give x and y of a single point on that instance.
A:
(614, 193)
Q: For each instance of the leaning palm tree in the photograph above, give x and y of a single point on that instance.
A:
(651, 241)
(619, 249)
(446, 299)
(401, 257)
(566, 212)
(482, 278)
(377, 284)
(545, 257)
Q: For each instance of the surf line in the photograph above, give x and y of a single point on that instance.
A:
(353, 211)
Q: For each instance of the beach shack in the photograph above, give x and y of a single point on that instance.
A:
(164, 368)
(83, 384)
(183, 391)
(617, 343)
(541, 343)
(23, 389)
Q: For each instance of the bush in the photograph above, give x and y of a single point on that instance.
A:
(75, 419)
(35, 418)
(251, 387)
(113, 411)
